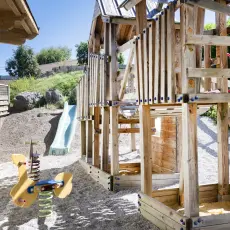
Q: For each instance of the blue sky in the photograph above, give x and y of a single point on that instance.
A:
(62, 23)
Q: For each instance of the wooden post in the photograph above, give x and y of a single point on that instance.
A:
(113, 97)
(145, 150)
(83, 139)
(189, 149)
(105, 110)
(89, 141)
(222, 112)
(133, 140)
(207, 64)
(144, 113)
(189, 168)
(96, 109)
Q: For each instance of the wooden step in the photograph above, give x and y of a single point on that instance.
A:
(208, 40)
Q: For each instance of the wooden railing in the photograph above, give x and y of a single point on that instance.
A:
(4, 99)
(155, 60)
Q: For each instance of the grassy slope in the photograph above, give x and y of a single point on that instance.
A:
(64, 82)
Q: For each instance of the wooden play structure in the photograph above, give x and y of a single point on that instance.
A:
(30, 187)
(173, 77)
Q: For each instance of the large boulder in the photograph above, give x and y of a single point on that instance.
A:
(53, 96)
(27, 100)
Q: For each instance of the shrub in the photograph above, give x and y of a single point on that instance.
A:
(211, 113)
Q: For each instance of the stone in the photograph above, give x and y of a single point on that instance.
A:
(53, 96)
(27, 100)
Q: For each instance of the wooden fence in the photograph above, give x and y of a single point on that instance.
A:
(4, 99)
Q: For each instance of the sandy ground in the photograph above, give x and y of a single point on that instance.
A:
(89, 206)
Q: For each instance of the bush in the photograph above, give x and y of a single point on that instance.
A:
(211, 113)
(66, 83)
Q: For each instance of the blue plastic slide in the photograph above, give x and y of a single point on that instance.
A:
(65, 131)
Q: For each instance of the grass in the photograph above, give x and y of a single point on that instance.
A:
(65, 82)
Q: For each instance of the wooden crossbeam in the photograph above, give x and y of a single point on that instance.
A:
(126, 46)
(208, 73)
(127, 72)
(208, 40)
(128, 4)
(210, 5)
(119, 20)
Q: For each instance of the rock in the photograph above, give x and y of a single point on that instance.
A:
(27, 100)
(53, 96)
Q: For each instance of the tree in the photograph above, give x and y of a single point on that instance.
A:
(23, 63)
(210, 26)
(121, 59)
(82, 53)
(52, 54)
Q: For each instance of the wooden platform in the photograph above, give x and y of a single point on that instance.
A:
(164, 211)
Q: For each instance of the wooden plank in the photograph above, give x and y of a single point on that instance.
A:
(157, 62)
(129, 4)
(4, 108)
(207, 64)
(163, 59)
(132, 139)
(206, 98)
(128, 121)
(126, 46)
(89, 142)
(167, 211)
(208, 72)
(83, 138)
(96, 138)
(145, 146)
(114, 146)
(141, 66)
(223, 159)
(146, 65)
(152, 37)
(170, 223)
(137, 78)
(189, 148)
(126, 74)
(207, 40)
(171, 36)
(210, 5)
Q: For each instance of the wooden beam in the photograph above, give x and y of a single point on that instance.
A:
(223, 159)
(209, 5)
(119, 20)
(190, 161)
(83, 138)
(132, 139)
(113, 97)
(126, 74)
(104, 110)
(207, 64)
(128, 4)
(207, 40)
(208, 72)
(145, 150)
(126, 46)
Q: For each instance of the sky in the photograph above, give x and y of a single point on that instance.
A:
(61, 23)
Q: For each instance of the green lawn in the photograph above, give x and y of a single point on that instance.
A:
(65, 82)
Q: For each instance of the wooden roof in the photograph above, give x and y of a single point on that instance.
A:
(109, 10)
(17, 23)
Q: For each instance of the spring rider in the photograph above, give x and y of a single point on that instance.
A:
(29, 185)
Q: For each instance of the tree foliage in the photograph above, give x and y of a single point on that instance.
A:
(23, 63)
(121, 59)
(82, 53)
(52, 54)
(210, 26)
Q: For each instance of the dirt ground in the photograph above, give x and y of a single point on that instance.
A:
(89, 206)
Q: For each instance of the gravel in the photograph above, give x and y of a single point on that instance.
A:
(89, 206)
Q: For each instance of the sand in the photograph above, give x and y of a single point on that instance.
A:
(89, 206)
